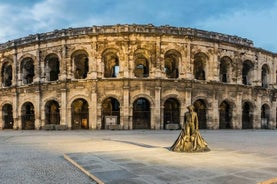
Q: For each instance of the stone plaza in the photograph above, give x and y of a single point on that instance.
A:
(136, 156)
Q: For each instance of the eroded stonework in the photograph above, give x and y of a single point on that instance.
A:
(135, 77)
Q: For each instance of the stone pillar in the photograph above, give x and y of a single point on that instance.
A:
(237, 112)
(37, 110)
(272, 119)
(69, 117)
(93, 109)
(63, 63)
(125, 109)
(187, 66)
(99, 116)
(257, 120)
(63, 108)
(157, 109)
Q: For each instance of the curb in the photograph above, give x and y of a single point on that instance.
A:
(97, 180)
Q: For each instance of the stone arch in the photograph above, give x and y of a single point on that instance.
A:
(111, 62)
(265, 116)
(141, 113)
(247, 72)
(225, 69)
(79, 114)
(28, 116)
(27, 70)
(80, 64)
(110, 109)
(247, 115)
(7, 116)
(52, 112)
(172, 59)
(142, 62)
(265, 73)
(225, 115)
(7, 73)
(52, 67)
(199, 66)
(200, 108)
(172, 111)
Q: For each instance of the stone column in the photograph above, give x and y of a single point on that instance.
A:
(272, 119)
(237, 112)
(63, 108)
(125, 109)
(99, 116)
(157, 109)
(257, 120)
(93, 109)
(37, 110)
(63, 63)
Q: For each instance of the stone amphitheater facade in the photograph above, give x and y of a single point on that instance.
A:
(135, 77)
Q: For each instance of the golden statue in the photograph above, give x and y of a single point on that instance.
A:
(190, 139)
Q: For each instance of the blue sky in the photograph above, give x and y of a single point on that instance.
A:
(252, 19)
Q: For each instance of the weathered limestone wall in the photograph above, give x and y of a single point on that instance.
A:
(135, 45)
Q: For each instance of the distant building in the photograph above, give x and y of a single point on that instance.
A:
(135, 77)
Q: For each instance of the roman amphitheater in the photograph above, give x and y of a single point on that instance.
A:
(136, 77)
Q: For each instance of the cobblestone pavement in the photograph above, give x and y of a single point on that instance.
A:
(236, 156)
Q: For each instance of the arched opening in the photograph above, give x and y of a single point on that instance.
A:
(141, 66)
(80, 61)
(52, 112)
(247, 69)
(27, 70)
(80, 114)
(28, 116)
(201, 109)
(111, 63)
(7, 75)
(225, 116)
(52, 67)
(110, 112)
(171, 63)
(199, 65)
(265, 74)
(7, 114)
(171, 112)
(247, 117)
(141, 114)
(225, 64)
(265, 116)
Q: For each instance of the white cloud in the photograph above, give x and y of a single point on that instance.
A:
(258, 26)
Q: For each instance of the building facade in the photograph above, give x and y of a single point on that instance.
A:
(135, 77)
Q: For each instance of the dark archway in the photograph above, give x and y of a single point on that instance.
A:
(171, 63)
(27, 70)
(80, 62)
(111, 65)
(247, 69)
(52, 112)
(247, 117)
(28, 116)
(110, 109)
(7, 75)
(141, 66)
(171, 112)
(141, 114)
(52, 67)
(201, 109)
(7, 114)
(265, 74)
(225, 64)
(80, 114)
(265, 116)
(199, 65)
(225, 116)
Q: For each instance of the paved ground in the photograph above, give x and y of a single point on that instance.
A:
(237, 156)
